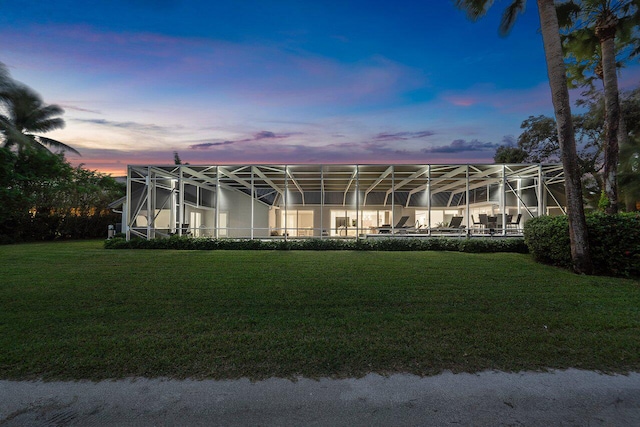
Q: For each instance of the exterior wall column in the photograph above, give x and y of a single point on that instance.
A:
(322, 203)
(540, 188)
(150, 204)
(286, 201)
(503, 197)
(253, 199)
(128, 210)
(393, 199)
(468, 206)
(357, 201)
(216, 218)
(429, 199)
(180, 206)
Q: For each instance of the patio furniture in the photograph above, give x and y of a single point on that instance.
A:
(492, 223)
(455, 225)
(478, 224)
(484, 220)
(516, 223)
(456, 222)
(386, 228)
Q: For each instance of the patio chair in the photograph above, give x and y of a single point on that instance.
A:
(478, 224)
(454, 226)
(386, 228)
(516, 223)
(186, 230)
(484, 220)
(456, 223)
(400, 226)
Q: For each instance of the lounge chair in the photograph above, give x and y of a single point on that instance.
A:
(456, 223)
(454, 226)
(386, 228)
(479, 224)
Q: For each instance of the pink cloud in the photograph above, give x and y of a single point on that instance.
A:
(460, 102)
(253, 150)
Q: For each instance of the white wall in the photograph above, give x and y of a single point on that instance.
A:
(238, 207)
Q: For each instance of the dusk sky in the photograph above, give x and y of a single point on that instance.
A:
(278, 81)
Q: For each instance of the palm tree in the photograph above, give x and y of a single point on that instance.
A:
(580, 253)
(594, 28)
(629, 171)
(24, 113)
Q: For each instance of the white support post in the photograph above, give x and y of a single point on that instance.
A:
(322, 203)
(286, 202)
(216, 218)
(357, 202)
(429, 200)
(503, 196)
(540, 189)
(150, 207)
(181, 209)
(127, 212)
(253, 199)
(393, 200)
(468, 206)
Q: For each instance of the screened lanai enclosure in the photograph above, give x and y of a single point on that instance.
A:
(338, 201)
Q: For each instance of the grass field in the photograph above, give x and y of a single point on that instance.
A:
(74, 310)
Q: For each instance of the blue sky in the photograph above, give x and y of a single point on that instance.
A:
(278, 81)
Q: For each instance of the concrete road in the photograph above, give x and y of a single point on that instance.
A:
(569, 398)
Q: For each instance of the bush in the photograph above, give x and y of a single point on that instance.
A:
(54, 226)
(614, 241)
(476, 245)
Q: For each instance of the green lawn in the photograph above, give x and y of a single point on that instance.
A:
(75, 310)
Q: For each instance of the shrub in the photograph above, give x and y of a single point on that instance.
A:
(476, 245)
(614, 241)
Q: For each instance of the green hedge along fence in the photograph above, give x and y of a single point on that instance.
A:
(39, 227)
(380, 244)
(614, 241)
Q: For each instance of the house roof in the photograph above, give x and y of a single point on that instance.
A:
(306, 182)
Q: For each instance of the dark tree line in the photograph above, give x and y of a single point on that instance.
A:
(42, 196)
(538, 143)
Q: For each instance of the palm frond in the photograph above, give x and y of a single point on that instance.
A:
(475, 9)
(11, 136)
(44, 141)
(567, 14)
(46, 125)
(26, 115)
(510, 15)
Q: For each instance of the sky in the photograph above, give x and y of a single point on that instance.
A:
(278, 82)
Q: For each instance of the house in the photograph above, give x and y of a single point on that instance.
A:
(336, 200)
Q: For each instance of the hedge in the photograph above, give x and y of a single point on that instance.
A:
(53, 226)
(614, 241)
(475, 245)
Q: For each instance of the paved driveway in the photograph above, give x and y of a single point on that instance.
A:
(572, 398)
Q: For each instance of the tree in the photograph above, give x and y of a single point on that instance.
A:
(580, 253)
(539, 142)
(43, 197)
(23, 113)
(598, 31)
(510, 154)
(629, 166)
(177, 160)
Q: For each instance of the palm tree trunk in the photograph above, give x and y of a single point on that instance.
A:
(625, 197)
(606, 31)
(580, 253)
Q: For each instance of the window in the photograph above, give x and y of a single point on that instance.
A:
(298, 223)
